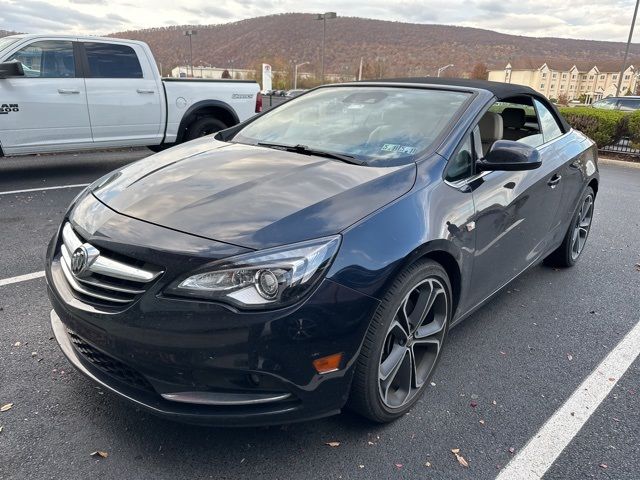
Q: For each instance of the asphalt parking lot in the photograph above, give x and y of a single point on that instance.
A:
(504, 373)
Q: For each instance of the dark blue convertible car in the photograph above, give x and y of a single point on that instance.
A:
(315, 256)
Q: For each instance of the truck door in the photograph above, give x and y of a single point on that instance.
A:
(46, 109)
(123, 93)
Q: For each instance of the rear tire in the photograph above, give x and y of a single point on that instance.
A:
(567, 254)
(403, 343)
(202, 127)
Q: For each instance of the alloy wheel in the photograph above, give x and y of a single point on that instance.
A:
(413, 343)
(582, 226)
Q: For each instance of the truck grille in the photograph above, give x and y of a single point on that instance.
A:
(109, 365)
(101, 278)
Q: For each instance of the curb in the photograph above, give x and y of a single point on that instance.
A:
(620, 163)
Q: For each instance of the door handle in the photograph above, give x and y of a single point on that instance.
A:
(555, 180)
(145, 91)
(68, 91)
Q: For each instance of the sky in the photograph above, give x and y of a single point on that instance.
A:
(585, 19)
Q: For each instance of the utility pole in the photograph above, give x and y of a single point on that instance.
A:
(324, 17)
(626, 52)
(190, 33)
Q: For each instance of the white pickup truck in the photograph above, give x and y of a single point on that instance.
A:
(60, 93)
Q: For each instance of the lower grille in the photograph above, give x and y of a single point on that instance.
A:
(109, 365)
(99, 278)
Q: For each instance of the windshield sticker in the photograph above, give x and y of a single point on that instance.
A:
(391, 147)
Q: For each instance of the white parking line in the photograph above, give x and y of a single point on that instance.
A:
(545, 446)
(58, 187)
(21, 278)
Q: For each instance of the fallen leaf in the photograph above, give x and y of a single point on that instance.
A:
(17, 344)
(473, 404)
(604, 465)
(33, 354)
(611, 379)
(1, 429)
(616, 419)
(638, 267)
(333, 444)
(481, 422)
(569, 357)
(370, 442)
(399, 465)
(99, 453)
(360, 466)
(494, 402)
(460, 458)
(502, 353)
(5, 407)
(428, 464)
(433, 384)
(512, 450)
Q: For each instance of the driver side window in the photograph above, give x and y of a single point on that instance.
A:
(47, 59)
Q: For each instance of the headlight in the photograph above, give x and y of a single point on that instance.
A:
(265, 279)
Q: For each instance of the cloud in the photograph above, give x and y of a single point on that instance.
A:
(36, 16)
(591, 19)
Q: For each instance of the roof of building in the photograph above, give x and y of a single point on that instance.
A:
(564, 65)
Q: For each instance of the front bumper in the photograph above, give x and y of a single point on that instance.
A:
(200, 362)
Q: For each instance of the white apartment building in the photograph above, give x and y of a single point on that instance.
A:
(574, 80)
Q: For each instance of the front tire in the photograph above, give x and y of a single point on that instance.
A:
(575, 239)
(403, 343)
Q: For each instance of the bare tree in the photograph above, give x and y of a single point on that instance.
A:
(479, 71)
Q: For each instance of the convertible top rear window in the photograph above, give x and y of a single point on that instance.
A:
(379, 126)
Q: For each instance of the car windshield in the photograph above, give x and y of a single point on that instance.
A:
(378, 126)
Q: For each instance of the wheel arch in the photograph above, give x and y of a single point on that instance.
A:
(207, 108)
(593, 183)
(447, 255)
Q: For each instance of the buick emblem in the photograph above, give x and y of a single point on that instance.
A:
(79, 260)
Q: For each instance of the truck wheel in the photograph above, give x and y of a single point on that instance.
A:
(202, 127)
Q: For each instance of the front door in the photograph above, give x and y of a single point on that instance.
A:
(517, 212)
(46, 109)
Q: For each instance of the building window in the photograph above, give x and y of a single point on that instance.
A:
(561, 87)
(626, 77)
(614, 77)
(555, 75)
(564, 75)
(591, 77)
(573, 77)
(602, 77)
(553, 87)
(571, 87)
(544, 75)
(542, 85)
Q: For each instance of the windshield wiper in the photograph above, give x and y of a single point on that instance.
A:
(303, 149)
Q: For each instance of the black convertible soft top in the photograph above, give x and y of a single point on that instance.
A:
(501, 90)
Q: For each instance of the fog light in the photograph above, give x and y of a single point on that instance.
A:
(267, 284)
(327, 364)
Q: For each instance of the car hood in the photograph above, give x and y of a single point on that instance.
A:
(250, 196)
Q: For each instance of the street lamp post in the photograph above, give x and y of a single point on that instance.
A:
(324, 17)
(626, 52)
(190, 33)
(442, 69)
(295, 74)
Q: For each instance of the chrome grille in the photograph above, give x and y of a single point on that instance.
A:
(103, 279)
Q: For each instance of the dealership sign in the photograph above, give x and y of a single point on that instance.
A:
(266, 76)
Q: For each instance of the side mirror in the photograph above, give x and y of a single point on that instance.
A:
(510, 156)
(11, 69)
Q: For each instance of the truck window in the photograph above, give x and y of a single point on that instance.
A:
(47, 59)
(108, 60)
